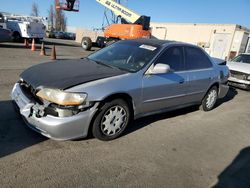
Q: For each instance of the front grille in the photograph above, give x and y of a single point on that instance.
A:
(238, 75)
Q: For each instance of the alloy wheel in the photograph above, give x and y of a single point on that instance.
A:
(113, 120)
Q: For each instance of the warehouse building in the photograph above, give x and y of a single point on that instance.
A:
(219, 40)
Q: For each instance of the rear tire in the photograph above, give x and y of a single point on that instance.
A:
(210, 99)
(111, 120)
(86, 43)
(17, 37)
(37, 40)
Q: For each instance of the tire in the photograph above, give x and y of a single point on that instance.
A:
(17, 37)
(210, 99)
(37, 40)
(86, 43)
(107, 126)
(100, 42)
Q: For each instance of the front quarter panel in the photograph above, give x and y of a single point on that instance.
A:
(100, 89)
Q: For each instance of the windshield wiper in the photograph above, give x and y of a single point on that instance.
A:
(104, 64)
(107, 65)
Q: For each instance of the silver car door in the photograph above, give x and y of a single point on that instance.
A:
(200, 73)
(162, 91)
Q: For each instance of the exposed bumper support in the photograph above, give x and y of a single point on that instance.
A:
(243, 84)
(58, 128)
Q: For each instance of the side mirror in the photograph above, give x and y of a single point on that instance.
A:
(160, 69)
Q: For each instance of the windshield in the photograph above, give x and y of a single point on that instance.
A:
(128, 56)
(243, 58)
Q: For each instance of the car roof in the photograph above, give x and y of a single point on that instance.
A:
(159, 43)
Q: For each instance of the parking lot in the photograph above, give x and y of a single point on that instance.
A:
(184, 148)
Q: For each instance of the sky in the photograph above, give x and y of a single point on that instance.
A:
(175, 11)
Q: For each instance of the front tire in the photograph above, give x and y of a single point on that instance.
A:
(111, 120)
(210, 99)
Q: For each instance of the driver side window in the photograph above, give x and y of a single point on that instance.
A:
(173, 57)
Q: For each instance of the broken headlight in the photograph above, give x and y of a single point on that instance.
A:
(61, 97)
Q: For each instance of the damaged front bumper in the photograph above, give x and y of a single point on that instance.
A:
(239, 83)
(58, 128)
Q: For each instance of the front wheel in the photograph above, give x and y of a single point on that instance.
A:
(210, 99)
(111, 120)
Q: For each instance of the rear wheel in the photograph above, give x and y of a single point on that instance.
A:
(37, 40)
(17, 37)
(111, 120)
(210, 99)
(86, 43)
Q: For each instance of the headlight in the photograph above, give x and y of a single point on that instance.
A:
(248, 78)
(60, 97)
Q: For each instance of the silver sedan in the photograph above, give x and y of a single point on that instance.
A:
(102, 93)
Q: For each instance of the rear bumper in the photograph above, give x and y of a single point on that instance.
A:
(57, 128)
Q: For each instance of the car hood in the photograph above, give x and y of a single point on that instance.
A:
(240, 67)
(67, 73)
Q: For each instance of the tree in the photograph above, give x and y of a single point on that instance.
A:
(60, 20)
(51, 18)
(64, 22)
(57, 20)
(34, 10)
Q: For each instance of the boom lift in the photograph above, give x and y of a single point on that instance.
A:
(133, 26)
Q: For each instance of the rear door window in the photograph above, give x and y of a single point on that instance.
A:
(195, 59)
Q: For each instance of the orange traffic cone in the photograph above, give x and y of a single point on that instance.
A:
(33, 46)
(53, 53)
(26, 43)
(42, 53)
